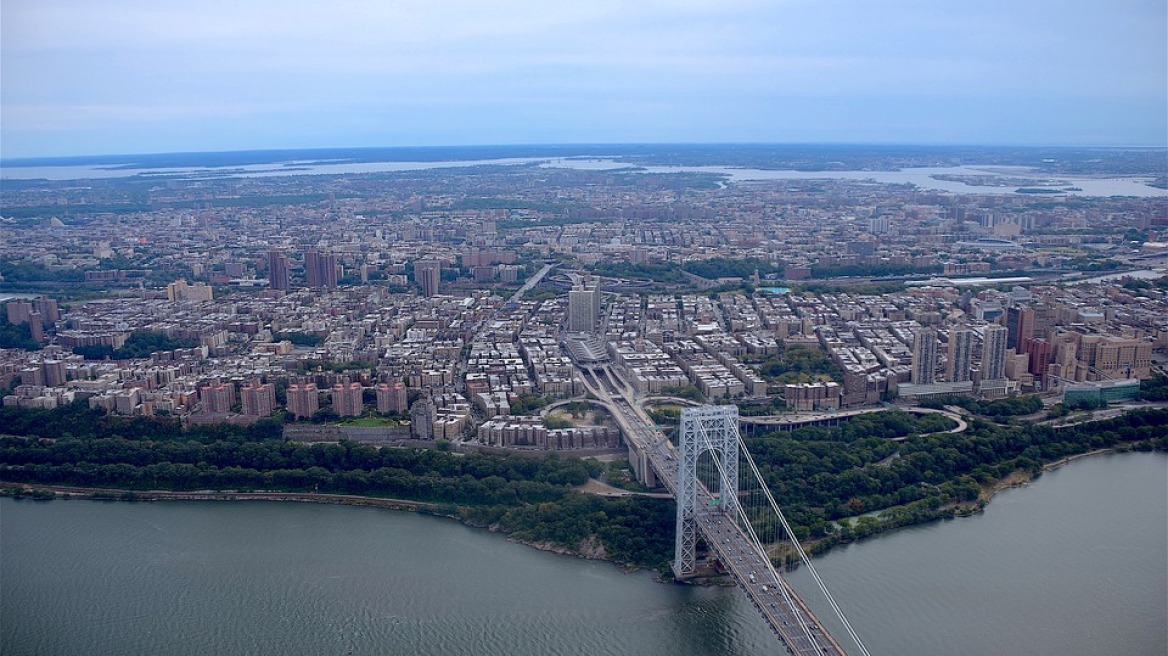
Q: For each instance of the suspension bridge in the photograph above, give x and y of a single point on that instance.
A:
(722, 498)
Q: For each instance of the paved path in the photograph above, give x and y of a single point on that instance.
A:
(600, 489)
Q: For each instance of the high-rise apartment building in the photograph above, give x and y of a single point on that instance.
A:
(217, 397)
(18, 311)
(993, 352)
(392, 397)
(584, 306)
(1020, 323)
(55, 373)
(259, 399)
(303, 400)
(36, 326)
(422, 415)
(428, 274)
(924, 360)
(320, 269)
(278, 271)
(347, 399)
(960, 355)
(26, 311)
(1040, 352)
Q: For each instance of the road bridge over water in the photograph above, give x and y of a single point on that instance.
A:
(716, 517)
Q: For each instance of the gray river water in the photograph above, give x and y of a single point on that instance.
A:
(1074, 564)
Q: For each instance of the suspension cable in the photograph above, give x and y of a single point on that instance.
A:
(753, 537)
(799, 548)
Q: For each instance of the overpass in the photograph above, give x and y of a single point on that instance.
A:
(791, 421)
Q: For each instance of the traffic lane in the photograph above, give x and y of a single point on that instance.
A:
(787, 621)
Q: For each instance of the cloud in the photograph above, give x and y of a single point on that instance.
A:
(73, 63)
(89, 117)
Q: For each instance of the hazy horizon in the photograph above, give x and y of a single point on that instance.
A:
(21, 159)
(135, 77)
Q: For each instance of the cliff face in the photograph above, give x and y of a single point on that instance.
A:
(591, 548)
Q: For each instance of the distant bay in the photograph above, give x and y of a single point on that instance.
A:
(204, 166)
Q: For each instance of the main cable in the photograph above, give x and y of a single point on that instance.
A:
(799, 549)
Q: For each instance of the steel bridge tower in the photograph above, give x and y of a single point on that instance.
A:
(713, 429)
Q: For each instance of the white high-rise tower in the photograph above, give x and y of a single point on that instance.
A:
(584, 306)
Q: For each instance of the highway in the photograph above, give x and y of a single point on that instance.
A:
(786, 613)
(797, 419)
(792, 622)
(531, 282)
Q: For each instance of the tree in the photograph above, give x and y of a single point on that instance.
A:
(300, 338)
(684, 392)
(16, 336)
(529, 403)
(556, 420)
(1154, 389)
(325, 415)
(140, 344)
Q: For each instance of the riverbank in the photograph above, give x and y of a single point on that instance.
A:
(38, 491)
(1015, 479)
(1022, 477)
(1051, 466)
(590, 549)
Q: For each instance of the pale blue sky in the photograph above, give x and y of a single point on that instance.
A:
(127, 76)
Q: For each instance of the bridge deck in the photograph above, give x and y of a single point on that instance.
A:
(769, 592)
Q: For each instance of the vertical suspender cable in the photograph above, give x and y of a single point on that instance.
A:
(803, 554)
(799, 617)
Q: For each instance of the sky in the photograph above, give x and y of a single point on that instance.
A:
(79, 77)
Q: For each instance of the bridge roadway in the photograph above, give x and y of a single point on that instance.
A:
(771, 594)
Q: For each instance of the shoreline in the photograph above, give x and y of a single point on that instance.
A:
(1016, 479)
(591, 549)
(1022, 478)
(1051, 466)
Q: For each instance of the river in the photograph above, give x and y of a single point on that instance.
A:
(1074, 564)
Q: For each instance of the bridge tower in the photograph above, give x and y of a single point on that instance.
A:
(713, 429)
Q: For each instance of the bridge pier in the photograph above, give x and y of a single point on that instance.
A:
(642, 466)
(713, 429)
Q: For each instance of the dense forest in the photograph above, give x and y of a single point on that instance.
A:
(712, 268)
(656, 272)
(823, 475)
(18, 271)
(819, 474)
(1154, 389)
(299, 338)
(871, 270)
